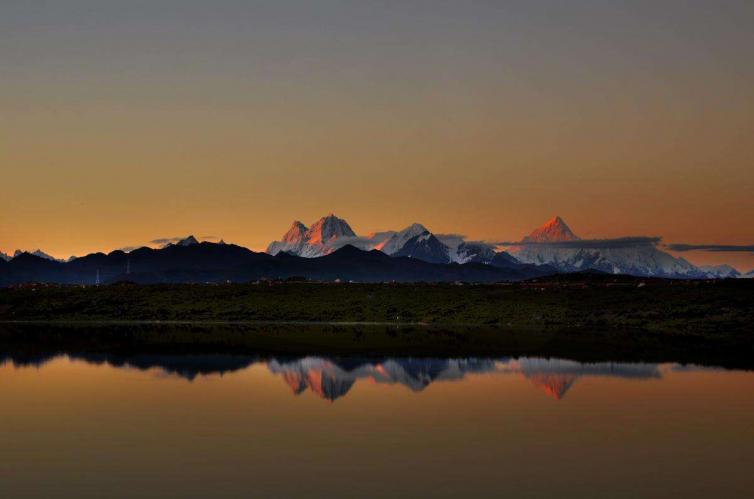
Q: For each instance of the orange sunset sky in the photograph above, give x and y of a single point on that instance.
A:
(124, 122)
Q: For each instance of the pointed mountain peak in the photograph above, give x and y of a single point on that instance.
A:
(399, 239)
(296, 234)
(554, 230)
(415, 229)
(189, 241)
(327, 229)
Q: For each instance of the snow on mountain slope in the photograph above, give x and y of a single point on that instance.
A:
(720, 271)
(398, 240)
(327, 229)
(188, 241)
(472, 252)
(415, 241)
(553, 230)
(634, 260)
(323, 237)
(565, 254)
(425, 247)
(553, 244)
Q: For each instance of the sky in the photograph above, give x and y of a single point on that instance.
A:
(124, 122)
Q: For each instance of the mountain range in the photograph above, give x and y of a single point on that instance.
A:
(415, 241)
(553, 244)
(37, 252)
(190, 261)
(330, 250)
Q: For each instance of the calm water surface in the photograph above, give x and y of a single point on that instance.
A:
(235, 426)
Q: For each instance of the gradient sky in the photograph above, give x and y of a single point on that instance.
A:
(123, 122)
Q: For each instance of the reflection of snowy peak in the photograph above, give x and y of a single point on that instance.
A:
(556, 376)
(331, 379)
(320, 376)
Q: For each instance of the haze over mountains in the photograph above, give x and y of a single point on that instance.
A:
(330, 250)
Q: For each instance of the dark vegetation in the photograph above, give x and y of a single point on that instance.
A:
(574, 301)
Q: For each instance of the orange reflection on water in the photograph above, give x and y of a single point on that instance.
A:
(70, 428)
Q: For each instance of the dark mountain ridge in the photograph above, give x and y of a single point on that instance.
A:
(216, 263)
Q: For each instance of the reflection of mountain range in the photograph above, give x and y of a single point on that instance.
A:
(331, 379)
(556, 376)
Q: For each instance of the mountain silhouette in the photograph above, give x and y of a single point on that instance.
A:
(220, 263)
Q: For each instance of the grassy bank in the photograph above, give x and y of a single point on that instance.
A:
(577, 302)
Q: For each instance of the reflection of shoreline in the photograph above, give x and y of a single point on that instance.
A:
(332, 379)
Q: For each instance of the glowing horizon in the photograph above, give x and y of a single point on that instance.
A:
(125, 123)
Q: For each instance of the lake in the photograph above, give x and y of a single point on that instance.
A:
(223, 425)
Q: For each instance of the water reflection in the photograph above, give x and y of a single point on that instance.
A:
(333, 378)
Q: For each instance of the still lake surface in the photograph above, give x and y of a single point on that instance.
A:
(245, 426)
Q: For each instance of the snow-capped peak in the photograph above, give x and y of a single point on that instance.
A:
(324, 236)
(296, 234)
(398, 240)
(555, 230)
(720, 271)
(637, 259)
(188, 241)
(327, 229)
